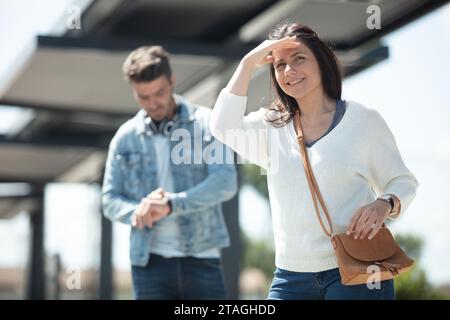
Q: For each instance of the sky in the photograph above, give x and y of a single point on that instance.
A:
(20, 21)
(410, 89)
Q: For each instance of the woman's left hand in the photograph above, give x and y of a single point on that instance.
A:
(368, 219)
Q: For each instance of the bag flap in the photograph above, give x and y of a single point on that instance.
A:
(380, 247)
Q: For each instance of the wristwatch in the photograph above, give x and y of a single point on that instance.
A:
(169, 203)
(389, 199)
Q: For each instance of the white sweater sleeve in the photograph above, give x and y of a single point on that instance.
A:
(388, 172)
(246, 135)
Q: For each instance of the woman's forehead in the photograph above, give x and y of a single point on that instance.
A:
(285, 53)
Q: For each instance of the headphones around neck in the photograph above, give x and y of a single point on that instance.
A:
(164, 127)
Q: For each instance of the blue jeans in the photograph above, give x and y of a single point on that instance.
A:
(179, 278)
(325, 285)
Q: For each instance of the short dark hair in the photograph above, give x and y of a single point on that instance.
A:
(146, 64)
(283, 108)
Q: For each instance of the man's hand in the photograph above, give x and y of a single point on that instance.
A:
(142, 215)
(152, 208)
(157, 194)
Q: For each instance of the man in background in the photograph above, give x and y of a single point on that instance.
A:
(173, 206)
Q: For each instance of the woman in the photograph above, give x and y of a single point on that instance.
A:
(352, 152)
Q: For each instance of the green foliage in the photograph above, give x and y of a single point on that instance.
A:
(414, 285)
(258, 254)
(251, 175)
(411, 244)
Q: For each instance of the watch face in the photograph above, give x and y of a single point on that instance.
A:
(388, 199)
(391, 201)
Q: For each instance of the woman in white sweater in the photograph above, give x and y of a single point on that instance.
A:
(353, 154)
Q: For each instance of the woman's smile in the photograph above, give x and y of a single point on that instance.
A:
(296, 82)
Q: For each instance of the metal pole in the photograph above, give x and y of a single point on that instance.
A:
(36, 266)
(106, 279)
(232, 255)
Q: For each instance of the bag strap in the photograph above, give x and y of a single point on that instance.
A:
(313, 187)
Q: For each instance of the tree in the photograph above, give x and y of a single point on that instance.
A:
(414, 284)
(251, 175)
(258, 254)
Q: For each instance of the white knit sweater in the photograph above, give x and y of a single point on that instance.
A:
(353, 164)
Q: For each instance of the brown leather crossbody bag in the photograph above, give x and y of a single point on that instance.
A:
(358, 260)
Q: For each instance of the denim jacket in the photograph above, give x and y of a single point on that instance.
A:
(200, 186)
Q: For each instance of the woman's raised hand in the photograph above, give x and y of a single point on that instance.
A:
(261, 55)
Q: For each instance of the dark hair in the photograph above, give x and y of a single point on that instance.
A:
(283, 108)
(146, 64)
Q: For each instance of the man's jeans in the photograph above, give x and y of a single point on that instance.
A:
(179, 278)
(325, 285)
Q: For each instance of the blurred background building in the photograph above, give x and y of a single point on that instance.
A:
(62, 97)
